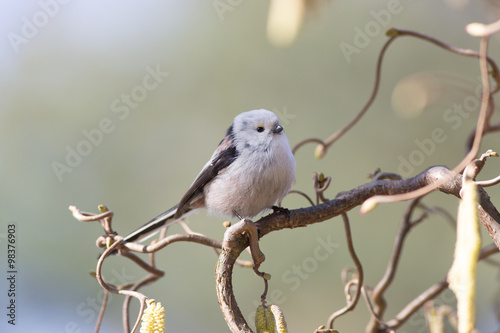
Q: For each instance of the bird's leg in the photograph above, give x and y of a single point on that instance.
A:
(237, 215)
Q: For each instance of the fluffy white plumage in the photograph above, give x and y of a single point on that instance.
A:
(262, 173)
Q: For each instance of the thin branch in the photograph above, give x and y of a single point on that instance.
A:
(302, 194)
(481, 121)
(440, 211)
(487, 183)
(88, 217)
(305, 141)
(320, 185)
(150, 278)
(464, 52)
(488, 128)
(351, 303)
(325, 144)
(376, 317)
(432, 292)
(195, 238)
(141, 263)
(384, 283)
(101, 311)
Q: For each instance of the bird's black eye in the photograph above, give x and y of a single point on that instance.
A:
(260, 129)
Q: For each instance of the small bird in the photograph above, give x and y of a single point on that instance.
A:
(251, 170)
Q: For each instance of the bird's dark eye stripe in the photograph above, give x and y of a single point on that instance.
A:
(260, 129)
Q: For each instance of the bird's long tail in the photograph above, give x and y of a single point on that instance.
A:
(162, 220)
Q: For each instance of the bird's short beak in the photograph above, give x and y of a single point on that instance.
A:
(278, 129)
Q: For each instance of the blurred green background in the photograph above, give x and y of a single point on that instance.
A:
(68, 77)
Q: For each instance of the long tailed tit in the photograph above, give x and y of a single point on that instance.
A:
(252, 169)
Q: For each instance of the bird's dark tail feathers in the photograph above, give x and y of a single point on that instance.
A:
(161, 220)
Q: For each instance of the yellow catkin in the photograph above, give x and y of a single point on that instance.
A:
(462, 274)
(271, 327)
(279, 319)
(260, 320)
(153, 319)
(270, 319)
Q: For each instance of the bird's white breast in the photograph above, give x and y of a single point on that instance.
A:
(254, 182)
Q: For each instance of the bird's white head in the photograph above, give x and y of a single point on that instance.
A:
(257, 130)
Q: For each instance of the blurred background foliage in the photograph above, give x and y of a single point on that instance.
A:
(67, 67)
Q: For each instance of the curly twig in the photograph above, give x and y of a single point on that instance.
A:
(302, 194)
(351, 303)
(142, 298)
(325, 144)
(321, 184)
(126, 302)
(464, 52)
(88, 217)
(104, 218)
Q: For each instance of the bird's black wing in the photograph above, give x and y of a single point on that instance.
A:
(225, 154)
